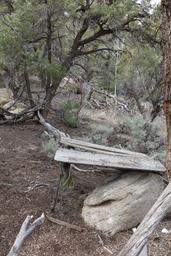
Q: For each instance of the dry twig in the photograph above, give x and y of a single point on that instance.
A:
(63, 223)
(104, 247)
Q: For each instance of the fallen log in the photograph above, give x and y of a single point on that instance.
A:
(152, 219)
(67, 141)
(144, 251)
(117, 160)
(98, 155)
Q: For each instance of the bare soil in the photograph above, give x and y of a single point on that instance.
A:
(22, 165)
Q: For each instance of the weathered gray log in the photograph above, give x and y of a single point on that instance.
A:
(144, 251)
(117, 160)
(99, 155)
(55, 132)
(148, 225)
(96, 148)
(26, 230)
(67, 141)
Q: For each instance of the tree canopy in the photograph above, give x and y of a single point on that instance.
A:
(111, 42)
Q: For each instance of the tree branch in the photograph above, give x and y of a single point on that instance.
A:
(26, 230)
(81, 53)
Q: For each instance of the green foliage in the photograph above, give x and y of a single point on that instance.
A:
(134, 60)
(71, 120)
(54, 70)
(70, 112)
(100, 133)
(141, 135)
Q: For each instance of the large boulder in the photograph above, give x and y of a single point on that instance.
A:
(122, 203)
(6, 95)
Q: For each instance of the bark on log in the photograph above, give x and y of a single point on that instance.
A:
(144, 251)
(25, 231)
(52, 130)
(148, 225)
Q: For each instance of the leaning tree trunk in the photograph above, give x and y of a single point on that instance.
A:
(28, 87)
(139, 239)
(166, 48)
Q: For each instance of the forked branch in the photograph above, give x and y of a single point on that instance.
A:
(26, 230)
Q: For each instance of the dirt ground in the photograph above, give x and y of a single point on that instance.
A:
(22, 165)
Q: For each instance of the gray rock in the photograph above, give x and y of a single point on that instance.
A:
(122, 204)
(6, 95)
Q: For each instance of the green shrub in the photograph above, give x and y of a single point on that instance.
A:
(70, 113)
(142, 135)
(71, 120)
(100, 133)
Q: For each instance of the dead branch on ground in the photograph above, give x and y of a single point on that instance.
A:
(52, 130)
(26, 230)
(63, 223)
(152, 219)
(24, 115)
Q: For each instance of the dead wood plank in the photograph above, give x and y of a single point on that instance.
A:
(96, 148)
(117, 160)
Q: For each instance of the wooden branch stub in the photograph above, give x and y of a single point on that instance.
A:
(26, 230)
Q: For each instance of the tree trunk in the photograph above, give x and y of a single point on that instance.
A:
(131, 92)
(28, 88)
(50, 93)
(49, 88)
(163, 204)
(49, 45)
(166, 48)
